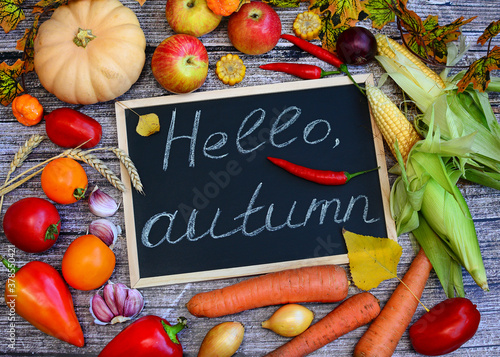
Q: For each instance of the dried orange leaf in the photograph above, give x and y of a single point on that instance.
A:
(148, 124)
(371, 259)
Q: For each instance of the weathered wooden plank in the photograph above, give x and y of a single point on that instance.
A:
(169, 301)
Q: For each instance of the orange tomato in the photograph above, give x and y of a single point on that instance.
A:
(64, 180)
(88, 263)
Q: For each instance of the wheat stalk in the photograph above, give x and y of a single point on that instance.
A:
(20, 156)
(96, 163)
(131, 169)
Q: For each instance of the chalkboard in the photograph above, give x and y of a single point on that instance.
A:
(215, 207)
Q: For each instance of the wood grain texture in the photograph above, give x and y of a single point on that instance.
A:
(169, 302)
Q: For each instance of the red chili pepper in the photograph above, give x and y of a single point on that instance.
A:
(324, 177)
(38, 293)
(148, 336)
(322, 54)
(304, 71)
(317, 51)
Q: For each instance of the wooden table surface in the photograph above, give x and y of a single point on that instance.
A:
(19, 338)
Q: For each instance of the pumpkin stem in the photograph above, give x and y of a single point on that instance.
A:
(83, 37)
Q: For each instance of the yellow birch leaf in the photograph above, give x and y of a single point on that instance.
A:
(371, 259)
(148, 124)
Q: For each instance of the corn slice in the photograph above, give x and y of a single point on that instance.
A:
(307, 25)
(230, 69)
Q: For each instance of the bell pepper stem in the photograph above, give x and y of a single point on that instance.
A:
(172, 331)
(350, 176)
(11, 267)
(343, 68)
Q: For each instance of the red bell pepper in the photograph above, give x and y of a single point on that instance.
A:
(38, 293)
(148, 336)
(69, 128)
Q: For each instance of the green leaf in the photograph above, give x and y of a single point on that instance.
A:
(491, 31)
(283, 3)
(9, 86)
(479, 71)
(10, 14)
(380, 12)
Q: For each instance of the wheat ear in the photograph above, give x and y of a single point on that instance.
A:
(93, 161)
(20, 157)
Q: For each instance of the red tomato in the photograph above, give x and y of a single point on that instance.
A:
(64, 180)
(445, 328)
(32, 224)
(69, 128)
(88, 263)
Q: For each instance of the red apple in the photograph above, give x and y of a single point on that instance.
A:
(254, 29)
(192, 17)
(180, 63)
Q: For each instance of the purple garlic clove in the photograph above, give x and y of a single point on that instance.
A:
(115, 296)
(100, 310)
(134, 303)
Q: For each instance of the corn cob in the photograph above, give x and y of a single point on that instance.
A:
(384, 45)
(391, 122)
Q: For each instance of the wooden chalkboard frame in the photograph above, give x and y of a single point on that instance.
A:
(137, 281)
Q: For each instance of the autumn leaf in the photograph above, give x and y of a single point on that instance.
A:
(44, 5)
(148, 124)
(341, 12)
(27, 45)
(479, 71)
(330, 33)
(381, 12)
(9, 86)
(11, 14)
(141, 2)
(371, 259)
(491, 31)
(283, 3)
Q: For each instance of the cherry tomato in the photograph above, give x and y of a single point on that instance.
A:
(446, 327)
(69, 128)
(64, 180)
(32, 224)
(87, 263)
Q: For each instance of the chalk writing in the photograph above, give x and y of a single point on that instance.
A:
(323, 205)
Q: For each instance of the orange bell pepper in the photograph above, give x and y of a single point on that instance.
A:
(38, 293)
(27, 110)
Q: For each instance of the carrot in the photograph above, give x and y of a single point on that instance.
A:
(383, 335)
(324, 283)
(356, 311)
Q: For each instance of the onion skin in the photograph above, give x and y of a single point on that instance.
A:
(223, 340)
(289, 320)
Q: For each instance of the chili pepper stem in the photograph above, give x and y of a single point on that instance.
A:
(350, 176)
(343, 68)
(172, 331)
(327, 73)
(11, 267)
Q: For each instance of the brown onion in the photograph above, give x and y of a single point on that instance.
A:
(289, 320)
(223, 340)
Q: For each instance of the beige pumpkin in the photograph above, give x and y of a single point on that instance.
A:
(90, 51)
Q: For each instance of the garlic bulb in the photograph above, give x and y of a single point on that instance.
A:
(105, 230)
(118, 304)
(101, 204)
(223, 340)
(289, 320)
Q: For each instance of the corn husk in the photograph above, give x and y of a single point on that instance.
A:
(455, 114)
(425, 199)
